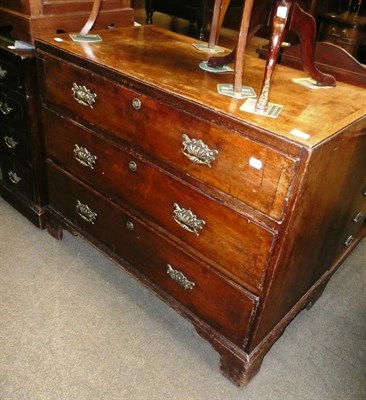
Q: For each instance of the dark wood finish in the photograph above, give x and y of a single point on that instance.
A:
(92, 18)
(329, 58)
(283, 13)
(196, 11)
(121, 201)
(22, 182)
(345, 30)
(216, 300)
(32, 18)
(244, 266)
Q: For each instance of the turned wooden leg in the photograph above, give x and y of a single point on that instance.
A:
(304, 25)
(242, 44)
(279, 19)
(219, 11)
(238, 53)
(92, 18)
(259, 17)
(203, 16)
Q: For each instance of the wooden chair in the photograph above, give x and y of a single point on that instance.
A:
(278, 14)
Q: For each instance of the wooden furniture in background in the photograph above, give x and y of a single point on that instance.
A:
(278, 15)
(22, 181)
(236, 220)
(345, 30)
(329, 58)
(31, 18)
(196, 11)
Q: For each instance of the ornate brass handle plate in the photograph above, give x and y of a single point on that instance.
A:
(343, 34)
(84, 157)
(178, 277)
(4, 108)
(187, 220)
(85, 212)
(10, 142)
(197, 151)
(3, 73)
(83, 95)
(14, 177)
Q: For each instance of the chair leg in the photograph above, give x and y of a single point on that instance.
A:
(280, 15)
(92, 18)
(203, 16)
(260, 16)
(242, 44)
(149, 11)
(304, 25)
(219, 11)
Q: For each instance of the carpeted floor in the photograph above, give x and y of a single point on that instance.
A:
(76, 327)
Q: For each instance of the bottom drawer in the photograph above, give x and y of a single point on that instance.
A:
(17, 176)
(224, 305)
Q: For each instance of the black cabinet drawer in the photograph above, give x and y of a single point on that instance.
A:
(15, 144)
(16, 175)
(12, 111)
(9, 75)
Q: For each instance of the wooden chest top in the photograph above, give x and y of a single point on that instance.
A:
(169, 64)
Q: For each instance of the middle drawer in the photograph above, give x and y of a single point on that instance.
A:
(236, 245)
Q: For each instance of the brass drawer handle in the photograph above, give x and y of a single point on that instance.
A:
(187, 220)
(14, 177)
(85, 212)
(342, 35)
(4, 108)
(358, 217)
(197, 151)
(84, 157)
(178, 277)
(3, 72)
(349, 240)
(10, 142)
(83, 95)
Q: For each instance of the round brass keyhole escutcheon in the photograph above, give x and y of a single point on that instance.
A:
(136, 103)
(132, 166)
(130, 226)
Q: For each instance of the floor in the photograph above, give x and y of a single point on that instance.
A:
(73, 326)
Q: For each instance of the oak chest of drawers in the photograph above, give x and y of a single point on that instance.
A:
(22, 181)
(236, 220)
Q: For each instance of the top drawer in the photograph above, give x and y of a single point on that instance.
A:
(247, 170)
